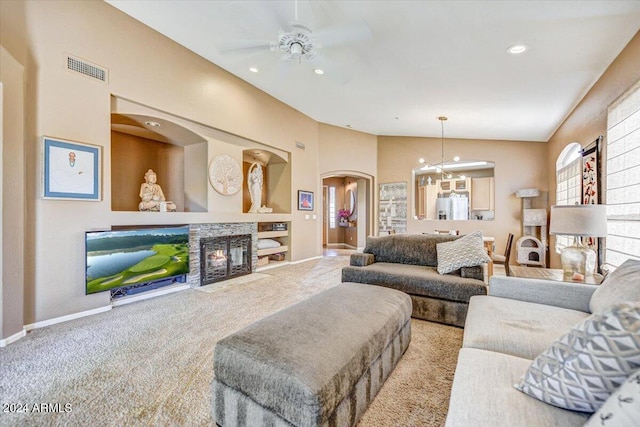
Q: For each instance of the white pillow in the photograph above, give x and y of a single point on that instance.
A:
(619, 285)
(582, 368)
(467, 251)
(268, 244)
(622, 408)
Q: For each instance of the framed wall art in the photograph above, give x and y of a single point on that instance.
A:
(591, 173)
(392, 214)
(591, 190)
(305, 200)
(71, 170)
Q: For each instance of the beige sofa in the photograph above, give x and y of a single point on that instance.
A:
(506, 329)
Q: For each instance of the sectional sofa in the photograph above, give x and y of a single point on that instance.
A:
(522, 320)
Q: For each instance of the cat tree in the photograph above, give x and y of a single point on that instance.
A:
(531, 247)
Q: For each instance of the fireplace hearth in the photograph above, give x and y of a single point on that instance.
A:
(224, 257)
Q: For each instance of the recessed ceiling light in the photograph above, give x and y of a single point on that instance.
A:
(318, 71)
(421, 160)
(253, 69)
(456, 159)
(517, 49)
(152, 124)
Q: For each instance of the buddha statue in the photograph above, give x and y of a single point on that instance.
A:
(152, 197)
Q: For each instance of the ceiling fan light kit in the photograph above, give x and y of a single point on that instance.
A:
(297, 43)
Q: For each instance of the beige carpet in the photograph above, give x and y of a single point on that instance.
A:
(150, 362)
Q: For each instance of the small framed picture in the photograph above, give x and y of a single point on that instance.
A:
(305, 200)
(71, 170)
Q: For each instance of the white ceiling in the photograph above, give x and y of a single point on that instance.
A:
(425, 59)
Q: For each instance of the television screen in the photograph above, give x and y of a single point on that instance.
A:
(133, 257)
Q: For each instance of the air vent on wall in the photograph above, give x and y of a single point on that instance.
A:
(83, 67)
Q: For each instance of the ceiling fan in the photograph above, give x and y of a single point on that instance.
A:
(297, 41)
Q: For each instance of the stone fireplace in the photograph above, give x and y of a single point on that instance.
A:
(228, 253)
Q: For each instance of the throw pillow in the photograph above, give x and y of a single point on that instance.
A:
(622, 408)
(622, 284)
(581, 369)
(467, 251)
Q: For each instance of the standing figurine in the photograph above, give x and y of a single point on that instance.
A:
(254, 181)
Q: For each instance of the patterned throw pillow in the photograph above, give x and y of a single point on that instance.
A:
(622, 408)
(467, 251)
(581, 369)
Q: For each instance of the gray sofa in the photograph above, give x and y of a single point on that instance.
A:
(508, 328)
(408, 263)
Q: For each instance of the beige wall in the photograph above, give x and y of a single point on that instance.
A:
(151, 70)
(12, 195)
(517, 165)
(345, 152)
(589, 119)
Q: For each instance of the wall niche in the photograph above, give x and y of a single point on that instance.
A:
(276, 179)
(180, 151)
(177, 155)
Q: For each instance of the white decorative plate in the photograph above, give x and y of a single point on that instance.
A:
(225, 175)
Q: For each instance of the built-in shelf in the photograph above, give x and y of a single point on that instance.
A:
(271, 251)
(272, 234)
(271, 230)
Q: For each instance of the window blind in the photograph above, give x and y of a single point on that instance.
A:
(623, 178)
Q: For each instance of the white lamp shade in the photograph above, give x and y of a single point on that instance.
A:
(579, 220)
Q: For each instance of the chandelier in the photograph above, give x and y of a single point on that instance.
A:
(440, 167)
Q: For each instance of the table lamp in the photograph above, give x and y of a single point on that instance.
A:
(578, 221)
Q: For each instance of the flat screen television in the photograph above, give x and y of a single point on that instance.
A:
(134, 257)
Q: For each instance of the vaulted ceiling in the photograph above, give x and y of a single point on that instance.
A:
(393, 67)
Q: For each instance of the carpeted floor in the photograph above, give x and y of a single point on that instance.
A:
(150, 362)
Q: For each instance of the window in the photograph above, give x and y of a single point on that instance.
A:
(568, 183)
(332, 207)
(623, 178)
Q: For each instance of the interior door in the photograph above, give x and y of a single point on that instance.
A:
(325, 211)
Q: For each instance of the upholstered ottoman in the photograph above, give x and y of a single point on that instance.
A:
(317, 363)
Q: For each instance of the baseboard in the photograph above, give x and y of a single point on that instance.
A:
(272, 265)
(13, 338)
(283, 263)
(341, 246)
(150, 294)
(66, 318)
(306, 259)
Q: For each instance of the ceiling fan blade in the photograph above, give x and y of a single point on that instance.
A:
(279, 12)
(341, 34)
(239, 44)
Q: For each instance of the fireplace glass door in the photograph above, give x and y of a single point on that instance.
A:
(224, 257)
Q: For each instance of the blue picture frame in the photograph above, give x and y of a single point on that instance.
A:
(305, 200)
(71, 170)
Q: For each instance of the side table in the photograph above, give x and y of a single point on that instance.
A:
(551, 274)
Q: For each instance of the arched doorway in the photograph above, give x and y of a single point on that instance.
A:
(349, 193)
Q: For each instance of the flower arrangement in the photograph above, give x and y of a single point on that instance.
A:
(344, 214)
